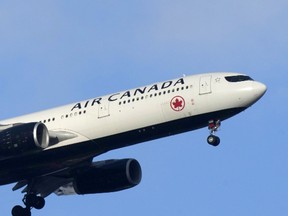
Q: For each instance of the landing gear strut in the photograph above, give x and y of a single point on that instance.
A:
(213, 127)
(30, 201)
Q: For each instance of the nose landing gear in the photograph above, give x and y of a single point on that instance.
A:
(30, 201)
(213, 127)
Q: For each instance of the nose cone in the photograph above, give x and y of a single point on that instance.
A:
(251, 93)
(259, 89)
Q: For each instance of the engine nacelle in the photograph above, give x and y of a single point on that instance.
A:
(23, 138)
(108, 176)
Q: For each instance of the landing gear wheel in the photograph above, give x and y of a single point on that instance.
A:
(40, 203)
(34, 201)
(213, 140)
(20, 211)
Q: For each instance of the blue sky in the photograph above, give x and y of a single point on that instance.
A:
(57, 52)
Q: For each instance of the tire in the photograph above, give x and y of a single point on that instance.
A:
(20, 211)
(39, 203)
(30, 200)
(213, 140)
(17, 210)
(34, 201)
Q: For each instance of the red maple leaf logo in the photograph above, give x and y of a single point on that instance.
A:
(177, 103)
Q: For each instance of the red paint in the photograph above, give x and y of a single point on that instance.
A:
(177, 103)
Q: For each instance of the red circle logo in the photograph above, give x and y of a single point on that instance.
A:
(177, 103)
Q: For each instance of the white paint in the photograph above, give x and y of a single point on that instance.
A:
(203, 93)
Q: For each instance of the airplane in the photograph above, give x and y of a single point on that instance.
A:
(52, 151)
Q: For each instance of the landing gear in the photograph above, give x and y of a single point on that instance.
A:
(213, 127)
(30, 201)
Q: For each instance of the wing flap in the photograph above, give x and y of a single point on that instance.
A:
(42, 186)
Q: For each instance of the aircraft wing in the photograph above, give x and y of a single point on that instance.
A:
(86, 177)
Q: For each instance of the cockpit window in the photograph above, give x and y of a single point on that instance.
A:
(239, 78)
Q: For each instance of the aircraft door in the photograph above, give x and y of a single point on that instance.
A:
(205, 85)
(104, 109)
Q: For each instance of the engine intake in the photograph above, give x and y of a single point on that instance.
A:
(23, 138)
(108, 176)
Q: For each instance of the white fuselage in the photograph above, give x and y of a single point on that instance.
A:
(145, 106)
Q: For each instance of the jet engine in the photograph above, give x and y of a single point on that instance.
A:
(108, 176)
(23, 138)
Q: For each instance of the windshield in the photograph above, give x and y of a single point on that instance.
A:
(238, 78)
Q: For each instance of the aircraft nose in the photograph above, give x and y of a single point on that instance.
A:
(260, 89)
(253, 93)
